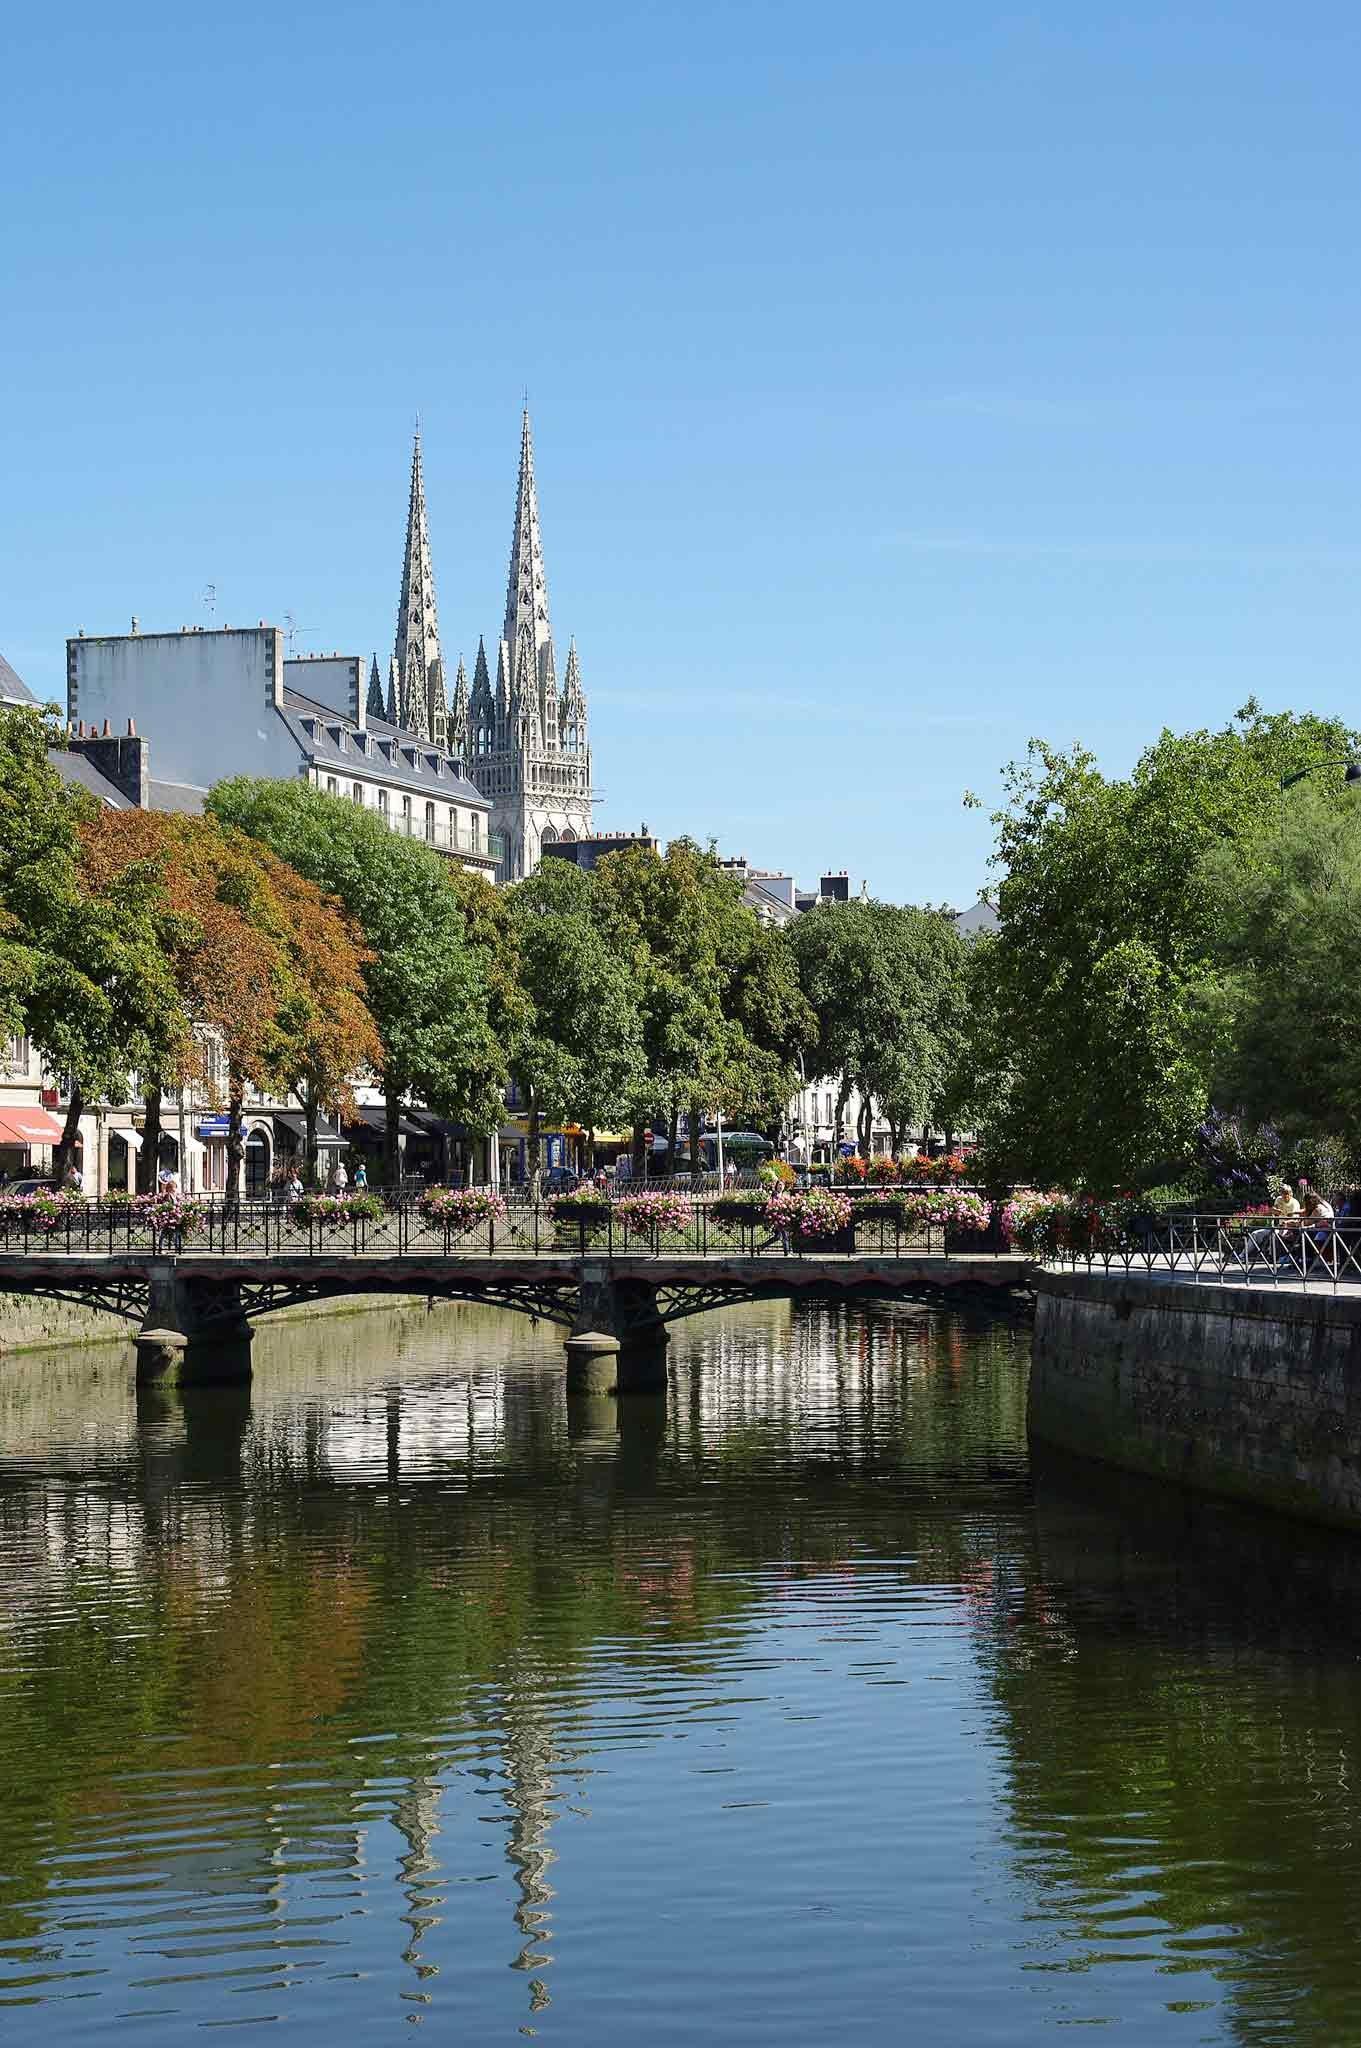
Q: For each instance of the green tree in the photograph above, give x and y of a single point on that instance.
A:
(1097, 977)
(1283, 1014)
(886, 986)
(424, 980)
(721, 1014)
(578, 1053)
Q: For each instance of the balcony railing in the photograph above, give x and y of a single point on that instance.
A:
(487, 846)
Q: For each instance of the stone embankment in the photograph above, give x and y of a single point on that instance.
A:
(1253, 1392)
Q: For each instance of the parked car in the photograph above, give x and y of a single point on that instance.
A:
(29, 1187)
(561, 1180)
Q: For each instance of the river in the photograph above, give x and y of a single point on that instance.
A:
(798, 1705)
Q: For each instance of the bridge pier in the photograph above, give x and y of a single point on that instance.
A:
(618, 1340)
(192, 1334)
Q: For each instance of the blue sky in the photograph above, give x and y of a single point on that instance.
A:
(906, 380)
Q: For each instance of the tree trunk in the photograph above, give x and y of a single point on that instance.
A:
(392, 1150)
(149, 1158)
(895, 1137)
(949, 1141)
(864, 1128)
(672, 1135)
(533, 1158)
(696, 1155)
(61, 1158)
(638, 1128)
(839, 1123)
(236, 1143)
(310, 1107)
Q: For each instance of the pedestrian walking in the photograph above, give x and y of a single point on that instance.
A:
(361, 1177)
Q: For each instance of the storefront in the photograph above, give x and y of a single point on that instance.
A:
(290, 1145)
(24, 1131)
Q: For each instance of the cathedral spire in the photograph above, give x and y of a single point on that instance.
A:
(417, 649)
(459, 721)
(527, 585)
(376, 707)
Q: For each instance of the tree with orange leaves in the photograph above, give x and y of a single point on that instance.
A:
(266, 965)
(321, 1033)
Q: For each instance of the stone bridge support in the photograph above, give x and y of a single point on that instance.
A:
(618, 1340)
(195, 1331)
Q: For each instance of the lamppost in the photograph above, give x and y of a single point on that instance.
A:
(1353, 774)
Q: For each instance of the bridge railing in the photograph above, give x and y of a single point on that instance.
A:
(400, 1228)
(1252, 1250)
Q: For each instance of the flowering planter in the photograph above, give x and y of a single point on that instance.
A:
(822, 1243)
(335, 1212)
(459, 1210)
(570, 1235)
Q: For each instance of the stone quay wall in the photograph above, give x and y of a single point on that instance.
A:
(1246, 1391)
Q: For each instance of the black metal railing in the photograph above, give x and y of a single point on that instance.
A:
(402, 1228)
(1259, 1251)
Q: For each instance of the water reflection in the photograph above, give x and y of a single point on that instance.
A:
(405, 1686)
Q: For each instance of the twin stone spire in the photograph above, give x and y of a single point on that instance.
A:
(523, 734)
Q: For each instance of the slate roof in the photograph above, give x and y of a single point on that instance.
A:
(383, 753)
(78, 770)
(178, 796)
(13, 688)
(980, 917)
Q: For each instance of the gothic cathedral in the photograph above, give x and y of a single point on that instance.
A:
(524, 743)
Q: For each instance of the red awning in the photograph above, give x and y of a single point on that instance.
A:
(21, 1126)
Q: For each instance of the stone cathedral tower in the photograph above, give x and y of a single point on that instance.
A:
(522, 741)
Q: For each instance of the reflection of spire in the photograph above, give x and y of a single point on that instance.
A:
(416, 1816)
(529, 1757)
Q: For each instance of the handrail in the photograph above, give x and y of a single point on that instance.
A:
(1213, 1248)
(403, 1228)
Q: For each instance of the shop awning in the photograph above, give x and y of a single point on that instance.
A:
(295, 1124)
(22, 1126)
(373, 1117)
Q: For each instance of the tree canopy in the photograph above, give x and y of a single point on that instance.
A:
(264, 964)
(1099, 1062)
(424, 977)
(885, 988)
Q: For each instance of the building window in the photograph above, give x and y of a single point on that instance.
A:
(549, 836)
(17, 1053)
(406, 815)
(453, 826)
(332, 786)
(568, 836)
(430, 823)
(477, 830)
(383, 801)
(357, 792)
